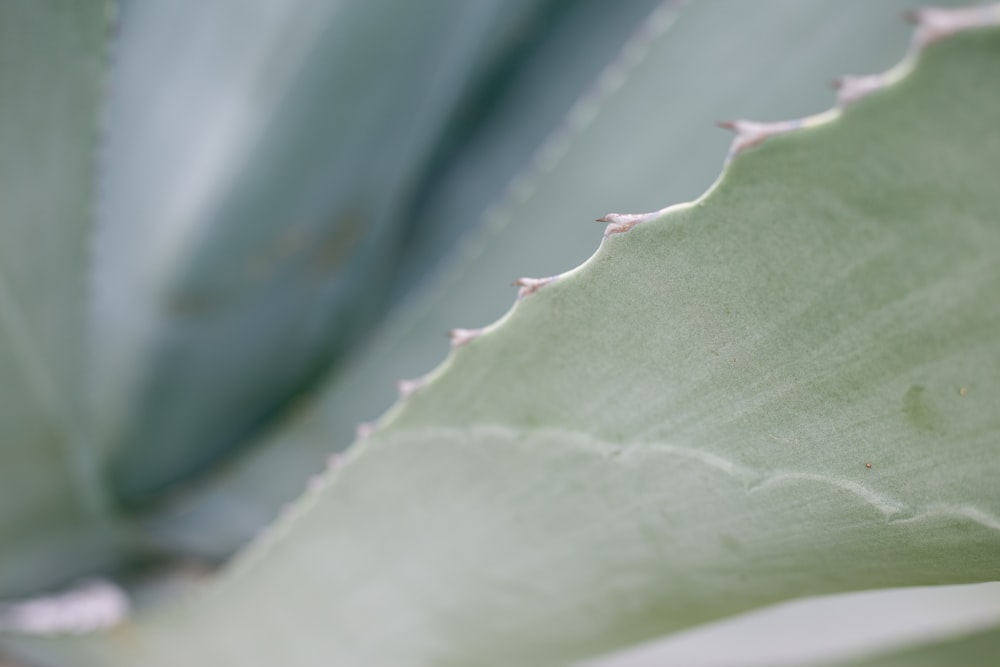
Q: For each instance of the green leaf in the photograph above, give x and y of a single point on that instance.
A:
(827, 630)
(680, 429)
(257, 245)
(54, 518)
(215, 518)
(671, 80)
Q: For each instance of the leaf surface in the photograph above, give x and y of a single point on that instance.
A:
(54, 515)
(784, 388)
(674, 76)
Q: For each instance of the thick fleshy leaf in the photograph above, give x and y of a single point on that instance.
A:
(671, 79)
(213, 519)
(785, 388)
(253, 186)
(54, 520)
(828, 630)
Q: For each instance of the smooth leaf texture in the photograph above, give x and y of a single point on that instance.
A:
(978, 649)
(253, 188)
(667, 85)
(217, 517)
(680, 429)
(54, 518)
(826, 630)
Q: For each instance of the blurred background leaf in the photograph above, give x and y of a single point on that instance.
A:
(55, 517)
(254, 188)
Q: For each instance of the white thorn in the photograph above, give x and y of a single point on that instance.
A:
(408, 387)
(460, 337)
(934, 23)
(850, 89)
(362, 431)
(528, 286)
(751, 133)
(619, 223)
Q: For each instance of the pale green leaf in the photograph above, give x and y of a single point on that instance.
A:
(253, 188)
(53, 513)
(214, 518)
(671, 80)
(785, 388)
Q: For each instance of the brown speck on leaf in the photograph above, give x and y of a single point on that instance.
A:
(336, 242)
(868, 465)
(963, 391)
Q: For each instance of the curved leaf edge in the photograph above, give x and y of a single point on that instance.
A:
(931, 25)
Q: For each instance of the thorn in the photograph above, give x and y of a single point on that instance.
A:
(528, 286)
(963, 392)
(850, 89)
(335, 460)
(748, 134)
(363, 430)
(751, 133)
(315, 483)
(934, 23)
(460, 337)
(408, 387)
(619, 223)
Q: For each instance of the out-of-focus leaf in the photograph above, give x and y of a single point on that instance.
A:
(259, 157)
(54, 519)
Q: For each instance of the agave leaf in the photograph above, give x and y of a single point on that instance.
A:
(214, 518)
(54, 515)
(784, 388)
(670, 81)
(827, 630)
(252, 190)
(976, 649)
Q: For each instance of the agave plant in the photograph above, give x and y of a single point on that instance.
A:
(221, 227)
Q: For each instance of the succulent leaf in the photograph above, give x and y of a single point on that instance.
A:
(253, 190)
(55, 518)
(668, 83)
(783, 388)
